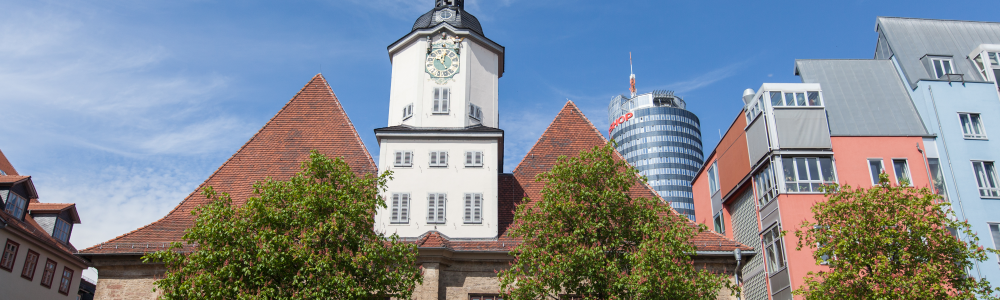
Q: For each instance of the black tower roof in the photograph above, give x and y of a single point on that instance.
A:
(461, 20)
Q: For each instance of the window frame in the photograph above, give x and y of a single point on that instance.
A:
(881, 162)
(996, 242)
(951, 67)
(909, 173)
(399, 209)
(441, 104)
(68, 229)
(805, 94)
(436, 161)
(18, 208)
(980, 125)
(68, 281)
(437, 208)
(407, 111)
(775, 243)
(402, 158)
(719, 221)
(795, 172)
(485, 297)
(713, 178)
(474, 161)
(772, 192)
(475, 112)
(995, 189)
(29, 261)
(49, 273)
(7, 262)
(473, 209)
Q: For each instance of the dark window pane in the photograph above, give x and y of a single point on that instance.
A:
(814, 99)
(800, 165)
(776, 99)
(826, 165)
(813, 170)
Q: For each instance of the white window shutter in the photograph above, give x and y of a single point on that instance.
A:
(468, 158)
(399, 158)
(434, 158)
(404, 208)
(430, 208)
(406, 157)
(395, 209)
(468, 208)
(479, 158)
(477, 206)
(440, 208)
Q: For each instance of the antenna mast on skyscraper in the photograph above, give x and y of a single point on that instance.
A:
(631, 78)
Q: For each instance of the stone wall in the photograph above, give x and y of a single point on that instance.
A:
(126, 277)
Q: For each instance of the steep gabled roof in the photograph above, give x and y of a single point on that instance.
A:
(910, 39)
(313, 119)
(5, 165)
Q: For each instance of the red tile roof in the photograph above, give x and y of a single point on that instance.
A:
(313, 119)
(36, 207)
(6, 166)
(13, 178)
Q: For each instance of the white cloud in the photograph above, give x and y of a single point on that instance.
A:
(705, 79)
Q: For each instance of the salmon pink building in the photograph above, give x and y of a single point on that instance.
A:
(846, 123)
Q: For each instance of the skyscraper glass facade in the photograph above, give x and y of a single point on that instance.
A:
(660, 138)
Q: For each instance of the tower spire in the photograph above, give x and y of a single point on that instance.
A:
(631, 78)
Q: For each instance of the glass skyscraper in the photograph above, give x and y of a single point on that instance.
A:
(660, 138)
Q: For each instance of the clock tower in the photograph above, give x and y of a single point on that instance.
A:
(442, 141)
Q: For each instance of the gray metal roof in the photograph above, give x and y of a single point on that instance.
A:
(910, 39)
(462, 20)
(863, 97)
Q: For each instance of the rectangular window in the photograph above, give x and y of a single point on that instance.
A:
(30, 262)
(937, 178)
(65, 281)
(407, 111)
(972, 126)
(439, 159)
(16, 205)
(473, 208)
(902, 170)
(9, 255)
(713, 178)
(475, 112)
(766, 188)
(995, 232)
(441, 97)
(473, 158)
(807, 174)
(875, 169)
(720, 226)
(986, 177)
(485, 297)
(774, 250)
(400, 213)
(48, 272)
(808, 98)
(62, 230)
(403, 159)
(942, 67)
(436, 208)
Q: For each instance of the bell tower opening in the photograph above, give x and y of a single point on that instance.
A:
(450, 3)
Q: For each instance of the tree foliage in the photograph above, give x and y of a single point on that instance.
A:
(310, 237)
(890, 242)
(589, 238)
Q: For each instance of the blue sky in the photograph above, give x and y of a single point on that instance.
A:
(124, 107)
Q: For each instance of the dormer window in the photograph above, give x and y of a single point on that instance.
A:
(62, 230)
(16, 205)
(475, 112)
(942, 67)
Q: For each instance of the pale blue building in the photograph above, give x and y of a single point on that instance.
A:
(950, 69)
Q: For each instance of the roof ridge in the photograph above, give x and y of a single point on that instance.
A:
(568, 106)
(928, 19)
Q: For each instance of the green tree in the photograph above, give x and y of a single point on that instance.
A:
(311, 237)
(589, 238)
(890, 242)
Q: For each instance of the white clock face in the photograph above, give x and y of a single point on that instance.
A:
(442, 63)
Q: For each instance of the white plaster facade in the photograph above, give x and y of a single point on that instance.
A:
(480, 67)
(14, 286)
